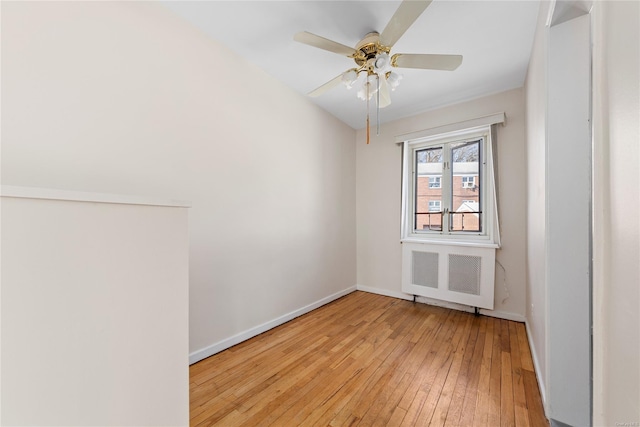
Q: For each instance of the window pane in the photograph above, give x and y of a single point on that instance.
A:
(465, 212)
(434, 206)
(428, 187)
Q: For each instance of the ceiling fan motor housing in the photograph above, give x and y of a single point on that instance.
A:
(368, 48)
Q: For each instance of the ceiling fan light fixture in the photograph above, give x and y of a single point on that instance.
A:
(382, 63)
(362, 93)
(393, 79)
(369, 88)
(349, 78)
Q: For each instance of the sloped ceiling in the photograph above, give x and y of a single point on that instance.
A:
(495, 38)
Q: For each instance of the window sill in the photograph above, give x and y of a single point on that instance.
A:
(452, 242)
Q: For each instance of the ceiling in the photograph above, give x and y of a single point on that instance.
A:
(495, 38)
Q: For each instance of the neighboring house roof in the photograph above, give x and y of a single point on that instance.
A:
(469, 207)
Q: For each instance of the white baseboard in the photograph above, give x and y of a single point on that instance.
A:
(385, 292)
(203, 353)
(461, 307)
(536, 367)
(515, 317)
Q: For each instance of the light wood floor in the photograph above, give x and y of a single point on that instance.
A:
(371, 360)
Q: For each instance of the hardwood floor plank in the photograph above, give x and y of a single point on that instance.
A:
(496, 370)
(471, 392)
(519, 396)
(424, 374)
(389, 408)
(361, 398)
(290, 403)
(505, 341)
(396, 417)
(522, 416)
(434, 379)
(296, 380)
(481, 416)
(507, 410)
(261, 372)
(445, 393)
(370, 360)
(283, 402)
(525, 353)
(457, 399)
(364, 355)
(534, 402)
(387, 384)
(414, 408)
(442, 404)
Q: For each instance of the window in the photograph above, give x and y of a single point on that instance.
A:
(448, 188)
(468, 181)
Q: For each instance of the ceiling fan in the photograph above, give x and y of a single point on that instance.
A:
(374, 71)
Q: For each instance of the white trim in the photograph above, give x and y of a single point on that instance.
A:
(226, 343)
(515, 317)
(385, 292)
(452, 127)
(536, 368)
(438, 303)
(444, 241)
(79, 196)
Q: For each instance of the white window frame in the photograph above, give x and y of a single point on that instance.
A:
(437, 182)
(489, 236)
(465, 180)
(437, 203)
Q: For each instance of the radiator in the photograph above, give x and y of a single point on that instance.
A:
(460, 274)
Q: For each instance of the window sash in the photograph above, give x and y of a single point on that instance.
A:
(446, 181)
(486, 211)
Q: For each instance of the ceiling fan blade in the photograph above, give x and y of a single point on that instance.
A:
(405, 15)
(322, 43)
(426, 61)
(385, 93)
(326, 87)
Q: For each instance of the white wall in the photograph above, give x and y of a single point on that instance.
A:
(616, 311)
(568, 197)
(94, 312)
(536, 102)
(378, 194)
(616, 238)
(125, 97)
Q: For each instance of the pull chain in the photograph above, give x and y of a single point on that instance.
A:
(378, 109)
(368, 130)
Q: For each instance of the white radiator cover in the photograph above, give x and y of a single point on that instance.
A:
(459, 274)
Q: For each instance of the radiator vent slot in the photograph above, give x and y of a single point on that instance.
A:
(464, 274)
(425, 269)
